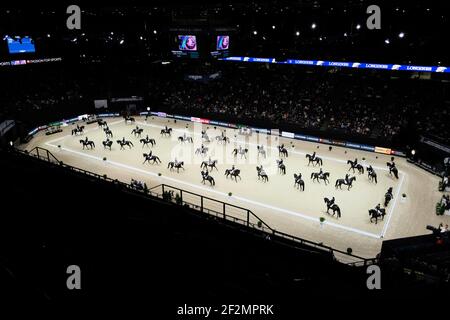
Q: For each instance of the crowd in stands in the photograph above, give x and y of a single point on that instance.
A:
(361, 103)
(358, 102)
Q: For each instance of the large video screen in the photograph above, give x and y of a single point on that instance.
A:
(187, 43)
(223, 43)
(20, 45)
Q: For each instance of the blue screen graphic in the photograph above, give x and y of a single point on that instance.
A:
(20, 45)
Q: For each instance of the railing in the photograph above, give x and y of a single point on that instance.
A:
(212, 207)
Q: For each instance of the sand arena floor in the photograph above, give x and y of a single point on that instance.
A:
(277, 202)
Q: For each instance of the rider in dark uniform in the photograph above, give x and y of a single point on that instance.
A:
(313, 156)
(331, 201)
(320, 173)
(347, 176)
(378, 208)
(123, 139)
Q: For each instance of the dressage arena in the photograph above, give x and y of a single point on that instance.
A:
(277, 202)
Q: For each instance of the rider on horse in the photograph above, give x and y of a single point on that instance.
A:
(331, 202)
(86, 139)
(313, 157)
(347, 176)
(378, 208)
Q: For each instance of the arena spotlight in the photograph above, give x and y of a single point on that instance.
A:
(155, 32)
(121, 41)
(273, 27)
(297, 33)
(387, 41)
(413, 152)
(401, 35)
(358, 26)
(313, 26)
(255, 32)
(11, 143)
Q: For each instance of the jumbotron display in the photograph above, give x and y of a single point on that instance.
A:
(223, 43)
(187, 43)
(20, 45)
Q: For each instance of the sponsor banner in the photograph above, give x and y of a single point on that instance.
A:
(309, 138)
(368, 148)
(288, 134)
(353, 145)
(33, 132)
(161, 114)
(340, 64)
(54, 124)
(72, 120)
(383, 150)
(108, 115)
(215, 123)
(398, 153)
(299, 136)
(435, 144)
(199, 120)
(261, 130)
(325, 141)
(339, 143)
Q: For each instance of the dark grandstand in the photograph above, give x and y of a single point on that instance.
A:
(127, 55)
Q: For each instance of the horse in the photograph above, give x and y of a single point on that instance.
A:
(201, 151)
(372, 175)
(137, 132)
(281, 167)
(149, 157)
(88, 143)
(77, 130)
(222, 139)
(262, 174)
(375, 214)
(355, 165)
(147, 141)
(333, 207)
(207, 177)
(101, 123)
(261, 151)
(130, 119)
(298, 182)
(315, 160)
(205, 136)
(122, 143)
(388, 197)
(107, 144)
(392, 169)
(242, 152)
(167, 131)
(211, 164)
(317, 176)
(178, 165)
(184, 139)
(233, 173)
(282, 151)
(340, 182)
(108, 133)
